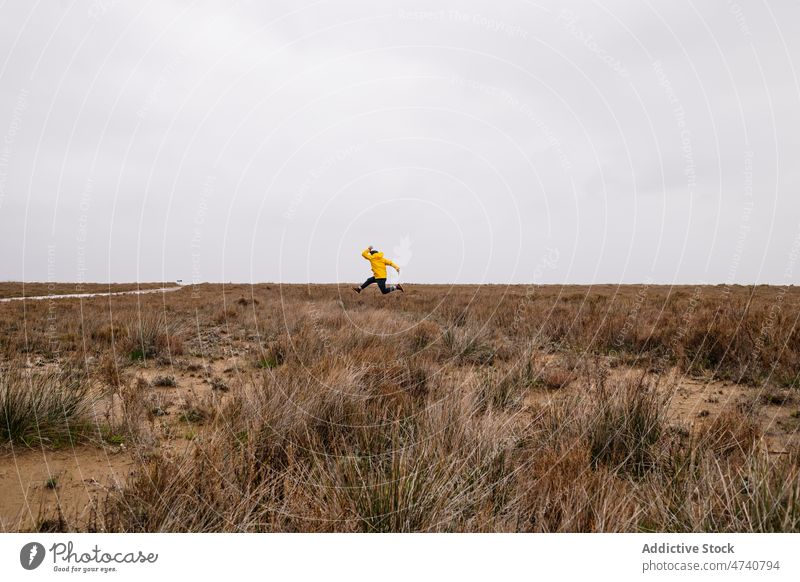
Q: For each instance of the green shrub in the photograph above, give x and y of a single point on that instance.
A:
(624, 424)
(43, 408)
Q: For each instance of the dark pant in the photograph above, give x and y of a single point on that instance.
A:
(381, 285)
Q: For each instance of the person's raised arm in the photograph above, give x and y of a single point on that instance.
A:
(366, 251)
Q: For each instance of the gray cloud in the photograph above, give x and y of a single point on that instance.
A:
(273, 141)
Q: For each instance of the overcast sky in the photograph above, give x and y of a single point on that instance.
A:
(515, 141)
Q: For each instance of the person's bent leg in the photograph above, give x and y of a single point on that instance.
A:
(384, 287)
(364, 285)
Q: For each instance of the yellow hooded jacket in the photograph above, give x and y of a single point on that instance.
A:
(378, 263)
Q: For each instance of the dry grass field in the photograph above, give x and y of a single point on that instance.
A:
(466, 408)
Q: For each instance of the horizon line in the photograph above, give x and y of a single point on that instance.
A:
(179, 282)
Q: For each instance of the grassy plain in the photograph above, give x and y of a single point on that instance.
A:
(447, 408)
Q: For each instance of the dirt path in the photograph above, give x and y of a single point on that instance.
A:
(83, 295)
(35, 482)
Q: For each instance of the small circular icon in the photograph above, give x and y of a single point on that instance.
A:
(31, 555)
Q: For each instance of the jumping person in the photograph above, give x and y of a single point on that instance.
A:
(378, 263)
